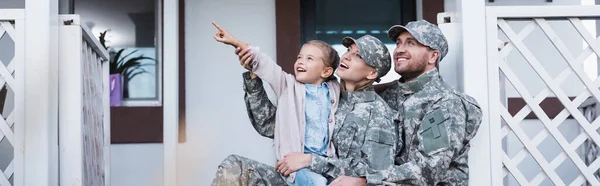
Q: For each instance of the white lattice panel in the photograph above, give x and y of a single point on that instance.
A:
(93, 117)
(513, 127)
(11, 95)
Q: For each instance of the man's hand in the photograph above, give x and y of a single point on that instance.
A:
(293, 162)
(348, 181)
(224, 36)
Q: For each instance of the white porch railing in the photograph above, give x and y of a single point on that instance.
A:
(11, 95)
(84, 109)
(526, 153)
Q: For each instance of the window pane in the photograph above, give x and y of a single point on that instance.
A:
(132, 27)
(332, 20)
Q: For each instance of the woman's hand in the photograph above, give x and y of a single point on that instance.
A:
(293, 162)
(225, 37)
(245, 56)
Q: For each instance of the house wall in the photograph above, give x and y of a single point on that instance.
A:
(217, 123)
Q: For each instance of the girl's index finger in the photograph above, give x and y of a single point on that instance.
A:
(217, 26)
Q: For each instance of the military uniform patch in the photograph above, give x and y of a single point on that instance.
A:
(433, 131)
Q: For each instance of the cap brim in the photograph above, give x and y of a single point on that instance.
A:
(395, 31)
(347, 41)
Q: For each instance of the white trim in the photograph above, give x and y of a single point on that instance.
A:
(141, 103)
(159, 62)
(70, 113)
(19, 110)
(171, 90)
(544, 11)
(12, 14)
(481, 166)
(106, 95)
(41, 91)
(493, 74)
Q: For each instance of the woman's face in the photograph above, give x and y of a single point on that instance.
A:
(352, 67)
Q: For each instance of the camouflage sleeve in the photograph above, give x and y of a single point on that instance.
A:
(261, 111)
(459, 172)
(336, 167)
(376, 152)
(430, 161)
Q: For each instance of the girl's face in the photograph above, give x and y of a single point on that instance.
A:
(352, 67)
(310, 67)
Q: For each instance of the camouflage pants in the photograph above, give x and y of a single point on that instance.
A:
(241, 171)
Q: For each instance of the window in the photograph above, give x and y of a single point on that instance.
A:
(332, 20)
(133, 27)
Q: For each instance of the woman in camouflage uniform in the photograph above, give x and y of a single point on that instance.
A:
(364, 134)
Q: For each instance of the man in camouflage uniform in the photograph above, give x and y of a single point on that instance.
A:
(437, 122)
(364, 135)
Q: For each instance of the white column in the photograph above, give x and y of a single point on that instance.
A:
(41, 92)
(170, 90)
(70, 113)
(482, 163)
(106, 81)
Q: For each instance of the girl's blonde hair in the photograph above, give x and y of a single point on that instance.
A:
(331, 58)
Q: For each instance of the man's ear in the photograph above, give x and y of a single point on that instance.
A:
(434, 57)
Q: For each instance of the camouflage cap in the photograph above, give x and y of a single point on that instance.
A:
(373, 51)
(426, 33)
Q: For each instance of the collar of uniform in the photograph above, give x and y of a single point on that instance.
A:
(418, 83)
(360, 96)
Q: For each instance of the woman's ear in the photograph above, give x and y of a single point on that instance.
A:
(372, 75)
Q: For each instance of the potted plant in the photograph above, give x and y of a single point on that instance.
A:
(122, 70)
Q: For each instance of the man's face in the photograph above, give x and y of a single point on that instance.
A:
(412, 58)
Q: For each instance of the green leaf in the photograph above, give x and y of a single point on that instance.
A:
(138, 73)
(133, 62)
(125, 57)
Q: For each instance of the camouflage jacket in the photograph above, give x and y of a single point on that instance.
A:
(437, 124)
(364, 136)
(365, 133)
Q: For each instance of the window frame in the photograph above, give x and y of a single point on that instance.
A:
(157, 100)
